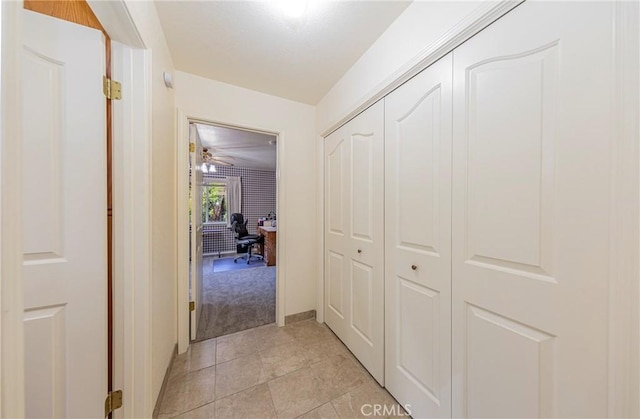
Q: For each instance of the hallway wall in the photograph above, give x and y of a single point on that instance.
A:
(421, 24)
(225, 103)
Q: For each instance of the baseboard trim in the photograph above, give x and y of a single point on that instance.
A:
(292, 318)
(156, 409)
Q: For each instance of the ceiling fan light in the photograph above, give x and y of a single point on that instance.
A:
(204, 168)
(212, 168)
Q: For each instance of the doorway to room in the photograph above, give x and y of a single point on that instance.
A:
(233, 227)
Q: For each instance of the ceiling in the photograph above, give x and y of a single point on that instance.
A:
(252, 44)
(240, 148)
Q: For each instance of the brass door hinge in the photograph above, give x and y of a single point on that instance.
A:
(111, 88)
(192, 305)
(192, 147)
(112, 402)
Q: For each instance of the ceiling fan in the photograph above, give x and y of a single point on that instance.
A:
(209, 158)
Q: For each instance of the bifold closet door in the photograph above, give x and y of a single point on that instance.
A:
(418, 241)
(531, 198)
(354, 242)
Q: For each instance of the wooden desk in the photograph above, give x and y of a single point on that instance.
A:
(269, 247)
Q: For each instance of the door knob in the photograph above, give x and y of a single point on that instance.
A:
(359, 250)
(414, 267)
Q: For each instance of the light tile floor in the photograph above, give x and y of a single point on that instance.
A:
(300, 370)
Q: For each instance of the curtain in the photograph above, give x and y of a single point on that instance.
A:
(234, 197)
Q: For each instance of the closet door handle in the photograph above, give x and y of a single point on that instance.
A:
(414, 267)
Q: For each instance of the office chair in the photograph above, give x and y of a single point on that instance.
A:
(243, 238)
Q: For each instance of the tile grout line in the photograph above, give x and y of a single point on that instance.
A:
(259, 353)
(273, 404)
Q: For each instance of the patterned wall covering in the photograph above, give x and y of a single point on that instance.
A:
(258, 199)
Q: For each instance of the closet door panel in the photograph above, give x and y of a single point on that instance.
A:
(530, 213)
(366, 292)
(418, 241)
(336, 230)
(354, 282)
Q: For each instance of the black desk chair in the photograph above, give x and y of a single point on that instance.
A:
(243, 238)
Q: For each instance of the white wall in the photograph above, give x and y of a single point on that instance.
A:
(422, 23)
(163, 194)
(225, 103)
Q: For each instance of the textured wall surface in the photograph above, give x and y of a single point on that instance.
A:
(258, 199)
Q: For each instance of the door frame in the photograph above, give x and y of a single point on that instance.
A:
(184, 118)
(132, 127)
(132, 137)
(624, 246)
(11, 302)
(132, 319)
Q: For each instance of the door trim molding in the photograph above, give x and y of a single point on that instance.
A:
(184, 117)
(11, 304)
(132, 231)
(624, 271)
(132, 128)
(480, 18)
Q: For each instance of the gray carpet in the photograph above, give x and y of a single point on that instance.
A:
(237, 300)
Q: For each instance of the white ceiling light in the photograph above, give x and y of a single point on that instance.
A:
(212, 168)
(293, 8)
(204, 168)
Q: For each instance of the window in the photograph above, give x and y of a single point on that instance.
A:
(214, 203)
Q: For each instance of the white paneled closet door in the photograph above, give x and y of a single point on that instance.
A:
(354, 242)
(418, 241)
(531, 197)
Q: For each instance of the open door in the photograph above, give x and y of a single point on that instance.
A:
(64, 189)
(195, 276)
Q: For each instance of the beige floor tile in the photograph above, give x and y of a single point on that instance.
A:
(239, 374)
(326, 411)
(188, 391)
(368, 400)
(311, 374)
(297, 393)
(322, 349)
(308, 331)
(340, 374)
(271, 335)
(235, 346)
(202, 354)
(202, 412)
(180, 366)
(283, 359)
(252, 403)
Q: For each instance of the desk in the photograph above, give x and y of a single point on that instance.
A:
(269, 247)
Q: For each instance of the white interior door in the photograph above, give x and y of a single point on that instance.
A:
(531, 199)
(354, 257)
(65, 218)
(418, 241)
(195, 281)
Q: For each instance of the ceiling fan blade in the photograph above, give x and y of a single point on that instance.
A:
(222, 162)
